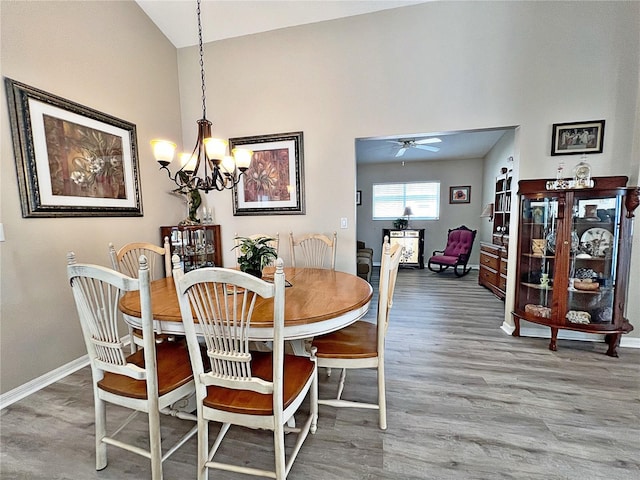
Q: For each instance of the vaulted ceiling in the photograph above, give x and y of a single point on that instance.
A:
(221, 19)
(233, 18)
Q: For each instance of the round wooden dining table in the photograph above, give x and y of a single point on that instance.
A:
(317, 301)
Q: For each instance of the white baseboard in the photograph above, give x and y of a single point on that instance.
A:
(47, 379)
(42, 381)
(545, 332)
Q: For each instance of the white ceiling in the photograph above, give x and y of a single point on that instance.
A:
(222, 19)
(233, 18)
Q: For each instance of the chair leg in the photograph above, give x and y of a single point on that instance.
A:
(132, 343)
(313, 407)
(441, 268)
(203, 447)
(465, 270)
(155, 443)
(101, 432)
(382, 396)
(278, 442)
(343, 376)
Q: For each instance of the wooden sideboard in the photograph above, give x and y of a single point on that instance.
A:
(493, 268)
(412, 239)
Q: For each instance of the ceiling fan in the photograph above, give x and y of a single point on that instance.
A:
(422, 144)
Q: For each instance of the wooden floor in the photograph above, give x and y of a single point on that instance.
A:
(465, 401)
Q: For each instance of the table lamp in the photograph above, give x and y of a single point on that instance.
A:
(407, 213)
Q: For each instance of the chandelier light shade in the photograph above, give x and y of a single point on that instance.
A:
(207, 167)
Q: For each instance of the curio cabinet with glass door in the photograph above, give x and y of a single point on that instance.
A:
(574, 252)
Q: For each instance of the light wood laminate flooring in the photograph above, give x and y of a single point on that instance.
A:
(465, 401)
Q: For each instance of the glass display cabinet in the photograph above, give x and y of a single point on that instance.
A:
(196, 245)
(574, 252)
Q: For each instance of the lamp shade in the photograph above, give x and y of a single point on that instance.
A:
(407, 212)
(488, 211)
(163, 150)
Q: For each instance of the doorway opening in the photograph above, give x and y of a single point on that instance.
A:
(471, 159)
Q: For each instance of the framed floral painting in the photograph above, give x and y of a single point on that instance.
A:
(71, 160)
(274, 182)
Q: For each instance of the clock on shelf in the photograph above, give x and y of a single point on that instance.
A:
(582, 174)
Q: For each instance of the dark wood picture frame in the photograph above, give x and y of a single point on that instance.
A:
(460, 194)
(71, 160)
(274, 182)
(577, 138)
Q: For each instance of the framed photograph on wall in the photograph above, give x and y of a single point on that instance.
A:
(358, 197)
(460, 194)
(274, 182)
(71, 160)
(577, 138)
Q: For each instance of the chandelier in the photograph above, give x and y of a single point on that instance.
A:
(207, 167)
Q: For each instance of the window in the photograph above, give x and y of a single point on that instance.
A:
(390, 199)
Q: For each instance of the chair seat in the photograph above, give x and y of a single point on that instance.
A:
(174, 370)
(358, 340)
(297, 372)
(444, 259)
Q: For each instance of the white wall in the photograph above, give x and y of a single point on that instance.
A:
(432, 67)
(494, 161)
(448, 173)
(108, 56)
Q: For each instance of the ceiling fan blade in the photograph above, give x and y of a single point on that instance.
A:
(428, 147)
(427, 140)
(401, 152)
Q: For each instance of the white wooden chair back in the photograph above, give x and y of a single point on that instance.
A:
(97, 291)
(389, 264)
(223, 301)
(275, 243)
(125, 260)
(314, 250)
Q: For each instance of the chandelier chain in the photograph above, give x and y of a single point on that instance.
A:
(200, 171)
(204, 98)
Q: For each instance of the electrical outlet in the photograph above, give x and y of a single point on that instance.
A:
(343, 222)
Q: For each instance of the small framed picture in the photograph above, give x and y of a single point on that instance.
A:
(358, 197)
(577, 138)
(460, 194)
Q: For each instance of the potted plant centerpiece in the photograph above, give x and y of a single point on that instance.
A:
(255, 254)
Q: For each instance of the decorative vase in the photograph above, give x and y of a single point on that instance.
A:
(255, 273)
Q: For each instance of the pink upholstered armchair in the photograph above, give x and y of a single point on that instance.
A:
(457, 252)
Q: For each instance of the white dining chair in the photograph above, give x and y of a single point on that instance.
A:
(125, 260)
(313, 250)
(148, 381)
(361, 344)
(260, 390)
